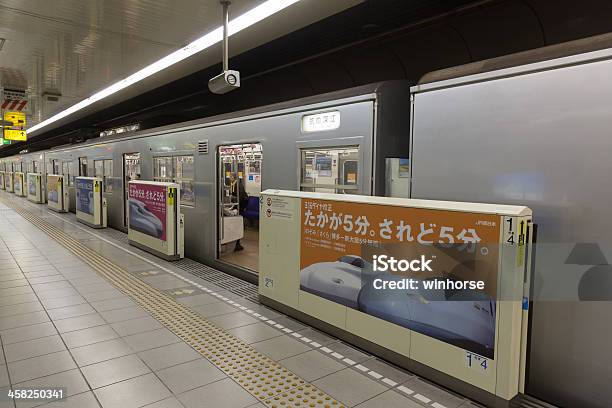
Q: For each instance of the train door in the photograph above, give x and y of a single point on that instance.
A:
(330, 170)
(239, 186)
(131, 171)
(83, 166)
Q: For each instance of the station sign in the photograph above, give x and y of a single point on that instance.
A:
(18, 119)
(15, 134)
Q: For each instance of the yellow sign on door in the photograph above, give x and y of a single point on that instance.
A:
(12, 134)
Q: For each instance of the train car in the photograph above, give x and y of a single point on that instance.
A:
(536, 134)
(338, 142)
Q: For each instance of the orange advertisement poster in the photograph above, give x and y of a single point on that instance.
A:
(341, 242)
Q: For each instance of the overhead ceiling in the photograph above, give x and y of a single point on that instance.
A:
(375, 40)
(73, 48)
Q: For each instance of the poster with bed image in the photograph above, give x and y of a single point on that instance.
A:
(343, 245)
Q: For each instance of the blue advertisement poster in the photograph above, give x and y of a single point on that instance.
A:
(84, 196)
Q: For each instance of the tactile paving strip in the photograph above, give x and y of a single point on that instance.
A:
(262, 377)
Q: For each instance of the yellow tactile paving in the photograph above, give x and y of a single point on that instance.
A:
(265, 379)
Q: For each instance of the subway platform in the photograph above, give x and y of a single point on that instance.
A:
(108, 325)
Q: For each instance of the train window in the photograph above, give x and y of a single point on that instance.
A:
(108, 176)
(333, 170)
(163, 169)
(31, 167)
(104, 170)
(67, 172)
(185, 174)
(83, 166)
(56, 166)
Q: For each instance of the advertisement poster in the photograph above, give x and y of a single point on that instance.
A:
(84, 196)
(18, 184)
(346, 250)
(147, 204)
(32, 185)
(53, 188)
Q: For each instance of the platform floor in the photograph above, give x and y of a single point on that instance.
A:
(118, 328)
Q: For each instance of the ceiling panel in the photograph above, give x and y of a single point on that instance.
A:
(74, 47)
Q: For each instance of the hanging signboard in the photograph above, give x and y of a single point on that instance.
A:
(14, 134)
(18, 119)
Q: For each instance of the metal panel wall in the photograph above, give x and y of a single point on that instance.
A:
(542, 140)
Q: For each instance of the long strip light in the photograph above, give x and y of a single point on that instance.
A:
(251, 17)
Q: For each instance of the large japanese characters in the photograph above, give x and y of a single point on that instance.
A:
(404, 265)
(147, 205)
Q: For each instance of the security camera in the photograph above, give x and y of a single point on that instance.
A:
(227, 81)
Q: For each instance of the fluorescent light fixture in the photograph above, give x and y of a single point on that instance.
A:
(251, 17)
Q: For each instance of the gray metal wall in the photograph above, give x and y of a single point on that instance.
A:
(544, 140)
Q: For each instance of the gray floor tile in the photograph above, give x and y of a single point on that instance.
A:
(127, 313)
(70, 311)
(97, 352)
(255, 332)
(290, 323)
(34, 331)
(55, 303)
(96, 287)
(312, 365)
(13, 283)
(317, 336)
(171, 402)
(25, 319)
(103, 295)
(350, 387)
(57, 293)
(85, 281)
(214, 309)
(33, 348)
(115, 370)
(112, 304)
(278, 348)
(83, 400)
(46, 279)
(224, 393)
(20, 290)
(20, 308)
(44, 272)
(133, 326)
(88, 336)
(79, 323)
(16, 299)
(133, 393)
(46, 287)
(389, 399)
(387, 370)
(233, 320)
(166, 356)
(197, 300)
(4, 378)
(40, 366)
(434, 393)
(349, 352)
(187, 376)
(7, 277)
(72, 381)
(151, 339)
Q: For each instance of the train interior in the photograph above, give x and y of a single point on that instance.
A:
(239, 181)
